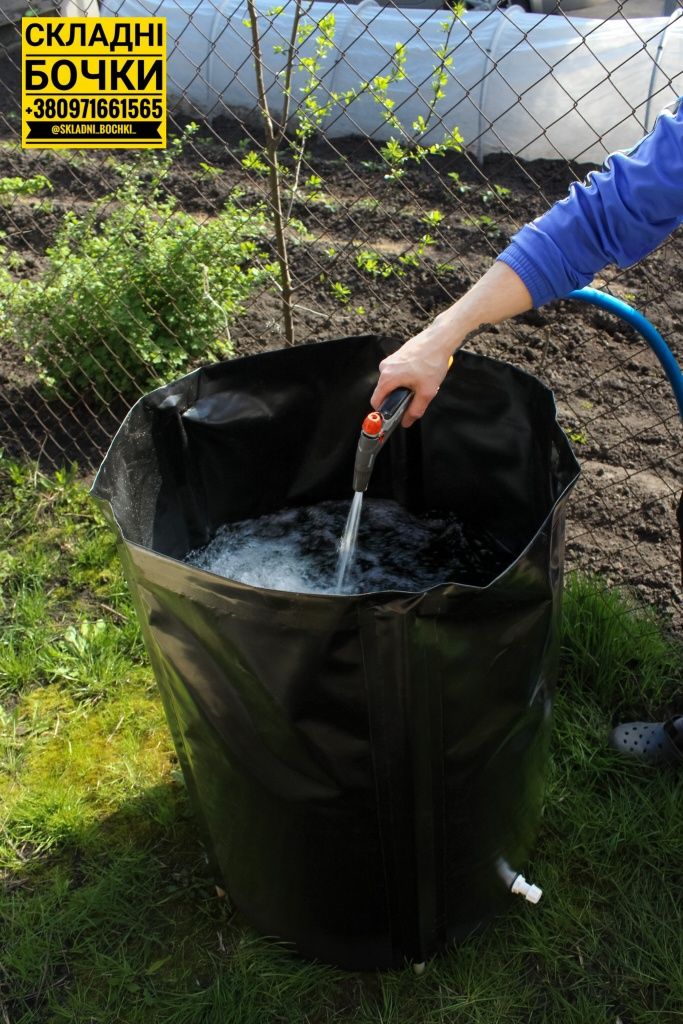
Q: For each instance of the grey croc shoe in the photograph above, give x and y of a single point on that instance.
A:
(655, 742)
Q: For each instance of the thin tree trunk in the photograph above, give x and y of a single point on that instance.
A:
(274, 180)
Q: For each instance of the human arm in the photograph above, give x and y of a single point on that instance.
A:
(618, 216)
(421, 364)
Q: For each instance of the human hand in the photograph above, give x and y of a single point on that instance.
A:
(420, 364)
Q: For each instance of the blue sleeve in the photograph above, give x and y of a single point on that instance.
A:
(617, 216)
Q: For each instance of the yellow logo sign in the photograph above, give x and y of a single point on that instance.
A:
(98, 83)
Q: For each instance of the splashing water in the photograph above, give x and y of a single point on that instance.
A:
(347, 544)
(296, 550)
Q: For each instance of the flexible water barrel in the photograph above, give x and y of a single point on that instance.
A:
(367, 769)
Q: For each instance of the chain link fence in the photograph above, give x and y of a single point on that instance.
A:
(411, 144)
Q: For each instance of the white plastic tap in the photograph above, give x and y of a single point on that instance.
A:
(517, 883)
(530, 892)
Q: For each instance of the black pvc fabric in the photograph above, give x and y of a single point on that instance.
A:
(367, 769)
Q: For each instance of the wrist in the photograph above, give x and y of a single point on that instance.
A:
(451, 327)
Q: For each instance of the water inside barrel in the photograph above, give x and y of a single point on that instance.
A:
(297, 550)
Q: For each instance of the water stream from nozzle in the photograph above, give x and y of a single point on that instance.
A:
(347, 545)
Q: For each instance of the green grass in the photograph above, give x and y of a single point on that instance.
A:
(107, 909)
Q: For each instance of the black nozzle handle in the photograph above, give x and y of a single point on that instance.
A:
(392, 408)
(391, 411)
(394, 399)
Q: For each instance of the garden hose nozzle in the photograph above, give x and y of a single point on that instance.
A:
(377, 427)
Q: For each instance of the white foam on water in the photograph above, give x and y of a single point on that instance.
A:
(297, 550)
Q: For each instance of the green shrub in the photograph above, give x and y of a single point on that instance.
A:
(135, 290)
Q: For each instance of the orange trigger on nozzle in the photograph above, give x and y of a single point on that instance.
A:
(372, 424)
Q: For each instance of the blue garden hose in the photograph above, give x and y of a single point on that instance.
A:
(657, 344)
(644, 327)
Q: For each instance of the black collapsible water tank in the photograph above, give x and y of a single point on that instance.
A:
(362, 767)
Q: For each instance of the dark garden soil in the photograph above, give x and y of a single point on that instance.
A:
(613, 399)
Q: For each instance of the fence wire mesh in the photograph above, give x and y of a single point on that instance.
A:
(412, 144)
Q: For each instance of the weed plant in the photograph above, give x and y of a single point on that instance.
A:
(10, 188)
(107, 910)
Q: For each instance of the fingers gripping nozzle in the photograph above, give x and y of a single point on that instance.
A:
(377, 427)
